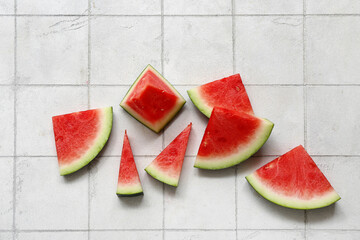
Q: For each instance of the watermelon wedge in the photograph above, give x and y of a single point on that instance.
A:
(230, 138)
(128, 182)
(166, 167)
(293, 180)
(152, 100)
(80, 136)
(227, 93)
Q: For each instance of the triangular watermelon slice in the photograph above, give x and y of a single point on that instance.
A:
(166, 167)
(128, 182)
(227, 93)
(293, 180)
(80, 136)
(230, 138)
(152, 100)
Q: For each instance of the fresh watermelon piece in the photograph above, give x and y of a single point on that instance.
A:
(293, 180)
(152, 100)
(80, 136)
(230, 138)
(227, 93)
(128, 182)
(166, 167)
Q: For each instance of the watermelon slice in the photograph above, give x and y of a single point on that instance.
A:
(227, 93)
(152, 100)
(230, 138)
(293, 180)
(128, 182)
(80, 136)
(167, 166)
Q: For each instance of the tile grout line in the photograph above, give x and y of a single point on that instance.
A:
(88, 105)
(234, 69)
(163, 133)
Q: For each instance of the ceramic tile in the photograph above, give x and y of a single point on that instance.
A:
(135, 7)
(7, 121)
(332, 55)
(203, 199)
(6, 200)
(61, 203)
(267, 214)
(35, 108)
(143, 140)
(332, 7)
(129, 46)
(6, 236)
(52, 7)
(333, 235)
(332, 117)
(268, 7)
(6, 49)
(188, 114)
(343, 174)
(52, 235)
(52, 50)
(197, 7)
(7, 7)
(200, 235)
(271, 235)
(107, 211)
(201, 53)
(269, 50)
(288, 131)
(126, 235)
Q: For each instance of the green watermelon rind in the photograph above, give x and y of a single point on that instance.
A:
(199, 102)
(129, 191)
(180, 103)
(289, 202)
(238, 157)
(97, 146)
(161, 176)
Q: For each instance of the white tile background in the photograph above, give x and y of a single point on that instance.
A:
(299, 60)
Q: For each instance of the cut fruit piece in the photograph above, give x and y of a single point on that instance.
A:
(128, 182)
(230, 138)
(293, 180)
(80, 136)
(227, 93)
(152, 100)
(167, 166)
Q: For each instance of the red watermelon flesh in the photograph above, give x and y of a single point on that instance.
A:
(230, 138)
(293, 180)
(80, 136)
(152, 100)
(166, 167)
(228, 93)
(128, 182)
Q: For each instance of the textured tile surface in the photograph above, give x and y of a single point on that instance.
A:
(52, 7)
(192, 196)
(131, 44)
(6, 7)
(332, 235)
(52, 50)
(332, 120)
(126, 235)
(143, 140)
(7, 121)
(332, 55)
(268, 7)
(53, 235)
(7, 26)
(111, 212)
(200, 235)
(278, 235)
(136, 7)
(201, 53)
(269, 50)
(6, 200)
(63, 197)
(333, 6)
(35, 126)
(197, 7)
(6, 235)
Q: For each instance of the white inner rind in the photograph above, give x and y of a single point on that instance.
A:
(195, 97)
(159, 124)
(129, 189)
(99, 142)
(161, 176)
(291, 202)
(244, 152)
